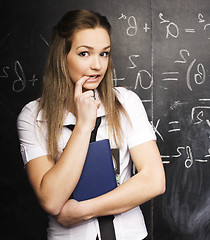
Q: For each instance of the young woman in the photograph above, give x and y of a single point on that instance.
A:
(78, 88)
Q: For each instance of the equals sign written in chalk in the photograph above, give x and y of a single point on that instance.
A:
(170, 78)
(189, 30)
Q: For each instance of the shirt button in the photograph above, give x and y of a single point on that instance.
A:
(22, 149)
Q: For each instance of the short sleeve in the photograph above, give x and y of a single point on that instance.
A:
(140, 130)
(32, 136)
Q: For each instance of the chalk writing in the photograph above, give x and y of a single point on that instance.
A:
(205, 28)
(174, 129)
(132, 28)
(189, 160)
(202, 20)
(178, 151)
(18, 84)
(123, 16)
(145, 82)
(132, 61)
(198, 119)
(5, 73)
(155, 127)
(173, 78)
(44, 40)
(189, 30)
(33, 80)
(172, 29)
(115, 78)
(199, 115)
(146, 28)
(195, 74)
(199, 76)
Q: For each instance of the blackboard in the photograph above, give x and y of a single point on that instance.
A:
(160, 51)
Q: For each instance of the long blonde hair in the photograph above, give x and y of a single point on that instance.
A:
(58, 89)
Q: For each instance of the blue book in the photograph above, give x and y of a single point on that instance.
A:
(98, 175)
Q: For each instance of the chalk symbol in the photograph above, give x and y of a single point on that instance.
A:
(199, 108)
(44, 40)
(175, 129)
(146, 28)
(115, 79)
(201, 160)
(170, 78)
(147, 100)
(156, 129)
(165, 161)
(190, 30)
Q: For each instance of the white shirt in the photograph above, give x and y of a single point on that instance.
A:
(32, 134)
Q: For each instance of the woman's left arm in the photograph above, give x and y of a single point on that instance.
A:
(148, 183)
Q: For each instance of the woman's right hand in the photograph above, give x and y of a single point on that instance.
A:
(85, 105)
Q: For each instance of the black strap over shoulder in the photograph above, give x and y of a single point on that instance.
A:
(93, 133)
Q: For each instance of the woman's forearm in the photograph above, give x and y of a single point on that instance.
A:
(57, 184)
(137, 190)
(134, 192)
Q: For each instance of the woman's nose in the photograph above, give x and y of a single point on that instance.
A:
(96, 63)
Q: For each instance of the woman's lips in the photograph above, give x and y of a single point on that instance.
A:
(93, 78)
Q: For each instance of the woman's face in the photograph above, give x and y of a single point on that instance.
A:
(89, 56)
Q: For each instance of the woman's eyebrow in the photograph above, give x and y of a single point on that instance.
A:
(89, 47)
(107, 47)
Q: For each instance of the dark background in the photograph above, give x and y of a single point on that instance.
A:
(161, 51)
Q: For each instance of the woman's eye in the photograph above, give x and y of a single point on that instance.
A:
(83, 54)
(104, 54)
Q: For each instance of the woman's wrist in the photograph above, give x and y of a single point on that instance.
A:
(87, 210)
